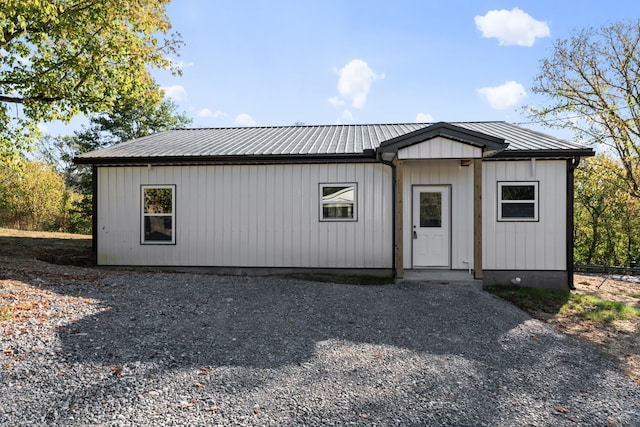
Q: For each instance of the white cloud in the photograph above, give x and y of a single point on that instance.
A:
(512, 27)
(244, 120)
(205, 112)
(347, 115)
(424, 118)
(334, 100)
(355, 82)
(177, 92)
(502, 97)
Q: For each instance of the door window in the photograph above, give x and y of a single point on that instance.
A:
(431, 209)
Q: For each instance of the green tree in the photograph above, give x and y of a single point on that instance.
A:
(64, 57)
(605, 214)
(33, 198)
(592, 81)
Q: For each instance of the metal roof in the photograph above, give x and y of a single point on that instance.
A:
(301, 141)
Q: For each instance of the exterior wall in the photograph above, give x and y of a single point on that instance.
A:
(541, 279)
(248, 216)
(439, 148)
(533, 246)
(460, 178)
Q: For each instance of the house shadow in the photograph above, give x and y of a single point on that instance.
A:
(182, 320)
(63, 251)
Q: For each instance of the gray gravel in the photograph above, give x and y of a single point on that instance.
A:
(131, 348)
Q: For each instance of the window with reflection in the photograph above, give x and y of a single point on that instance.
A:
(431, 209)
(158, 214)
(517, 201)
(338, 202)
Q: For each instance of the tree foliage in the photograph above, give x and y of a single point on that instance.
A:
(606, 216)
(59, 58)
(592, 81)
(33, 198)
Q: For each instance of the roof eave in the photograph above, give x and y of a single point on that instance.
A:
(366, 156)
(549, 153)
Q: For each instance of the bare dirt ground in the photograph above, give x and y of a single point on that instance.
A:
(619, 339)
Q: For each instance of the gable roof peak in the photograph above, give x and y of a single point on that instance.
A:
(487, 143)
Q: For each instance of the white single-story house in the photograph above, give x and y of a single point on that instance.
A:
(489, 198)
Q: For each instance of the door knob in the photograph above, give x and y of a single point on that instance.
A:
(415, 235)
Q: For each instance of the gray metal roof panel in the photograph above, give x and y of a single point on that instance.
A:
(305, 140)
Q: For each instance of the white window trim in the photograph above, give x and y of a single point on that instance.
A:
(536, 201)
(355, 201)
(143, 215)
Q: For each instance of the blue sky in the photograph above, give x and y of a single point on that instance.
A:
(266, 63)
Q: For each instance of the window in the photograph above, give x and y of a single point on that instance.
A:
(338, 202)
(158, 214)
(431, 209)
(517, 201)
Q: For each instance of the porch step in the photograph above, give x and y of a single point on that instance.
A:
(442, 277)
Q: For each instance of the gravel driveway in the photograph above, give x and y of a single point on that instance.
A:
(131, 348)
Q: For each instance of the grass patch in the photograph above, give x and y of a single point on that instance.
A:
(599, 310)
(534, 301)
(5, 313)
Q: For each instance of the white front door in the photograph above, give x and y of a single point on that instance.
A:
(431, 226)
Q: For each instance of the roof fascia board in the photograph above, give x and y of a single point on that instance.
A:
(556, 154)
(367, 157)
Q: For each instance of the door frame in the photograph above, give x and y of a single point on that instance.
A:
(448, 188)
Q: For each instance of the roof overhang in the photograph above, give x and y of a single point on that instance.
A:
(546, 154)
(366, 156)
(490, 145)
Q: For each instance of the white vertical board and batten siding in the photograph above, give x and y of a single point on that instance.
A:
(460, 178)
(440, 148)
(248, 216)
(536, 245)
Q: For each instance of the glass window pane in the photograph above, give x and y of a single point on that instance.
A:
(337, 194)
(158, 200)
(518, 192)
(518, 210)
(157, 228)
(338, 201)
(337, 211)
(430, 209)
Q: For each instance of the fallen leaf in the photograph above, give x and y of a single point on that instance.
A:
(561, 409)
(8, 352)
(214, 408)
(198, 385)
(364, 416)
(256, 409)
(115, 371)
(610, 422)
(186, 405)
(377, 355)
(203, 371)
